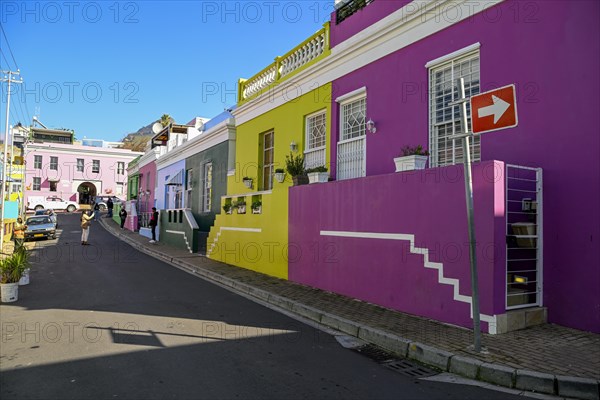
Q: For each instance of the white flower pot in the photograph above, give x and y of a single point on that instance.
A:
(409, 163)
(9, 292)
(280, 176)
(257, 210)
(248, 183)
(241, 210)
(24, 278)
(318, 177)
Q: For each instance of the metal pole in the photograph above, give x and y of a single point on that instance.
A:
(471, 219)
(12, 157)
(5, 167)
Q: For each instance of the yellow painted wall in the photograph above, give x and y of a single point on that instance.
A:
(260, 241)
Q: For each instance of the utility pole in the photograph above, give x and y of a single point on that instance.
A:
(7, 78)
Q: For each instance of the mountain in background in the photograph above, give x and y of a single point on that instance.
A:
(137, 141)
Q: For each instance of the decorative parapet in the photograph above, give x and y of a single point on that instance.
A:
(306, 53)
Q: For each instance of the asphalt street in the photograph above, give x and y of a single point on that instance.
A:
(106, 321)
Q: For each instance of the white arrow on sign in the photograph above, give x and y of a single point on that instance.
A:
(497, 109)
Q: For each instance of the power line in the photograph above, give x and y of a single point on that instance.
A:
(7, 63)
(9, 49)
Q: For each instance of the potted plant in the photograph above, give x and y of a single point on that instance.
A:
(240, 206)
(294, 166)
(247, 182)
(227, 208)
(317, 174)
(256, 207)
(11, 271)
(411, 158)
(280, 174)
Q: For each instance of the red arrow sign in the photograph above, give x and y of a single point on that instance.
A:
(494, 110)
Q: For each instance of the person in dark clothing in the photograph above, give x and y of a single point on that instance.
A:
(109, 206)
(123, 216)
(153, 224)
(96, 211)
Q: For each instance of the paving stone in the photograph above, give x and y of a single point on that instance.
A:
(465, 366)
(579, 388)
(534, 381)
(497, 374)
(430, 355)
(393, 343)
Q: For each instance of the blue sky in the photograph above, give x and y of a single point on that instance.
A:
(107, 68)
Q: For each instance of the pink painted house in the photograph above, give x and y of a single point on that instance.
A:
(76, 173)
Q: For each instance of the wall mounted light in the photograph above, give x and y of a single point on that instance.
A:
(371, 126)
(293, 146)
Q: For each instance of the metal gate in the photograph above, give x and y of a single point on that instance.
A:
(351, 158)
(524, 228)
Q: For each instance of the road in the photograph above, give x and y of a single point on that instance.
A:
(106, 322)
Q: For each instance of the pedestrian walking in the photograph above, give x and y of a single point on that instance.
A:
(109, 206)
(96, 211)
(153, 224)
(19, 233)
(123, 216)
(86, 220)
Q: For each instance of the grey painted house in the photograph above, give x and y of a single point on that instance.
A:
(207, 158)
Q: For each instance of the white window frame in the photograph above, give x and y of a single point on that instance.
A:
(120, 168)
(207, 186)
(53, 163)
(345, 100)
(267, 169)
(120, 188)
(80, 167)
(37, 162)
(94, 166)
(37, 184)
(453, 122)
(316, 152)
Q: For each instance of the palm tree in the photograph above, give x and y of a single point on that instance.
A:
(166, 119)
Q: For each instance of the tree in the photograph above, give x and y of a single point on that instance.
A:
(166, 119)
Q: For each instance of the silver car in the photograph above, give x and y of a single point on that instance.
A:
(40, 226)
(49, 213)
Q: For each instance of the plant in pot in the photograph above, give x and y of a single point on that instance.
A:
(247, 182)
(294, 166)
(240, 206)
(227, 207)
(280, 174)
(411, 158)
(317, 174)
(256, 207)
(11, 271)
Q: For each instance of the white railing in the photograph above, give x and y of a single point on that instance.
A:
(314, 157)
(351, 158)
(306, 52)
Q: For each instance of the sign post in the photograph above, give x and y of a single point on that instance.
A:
(466, 136)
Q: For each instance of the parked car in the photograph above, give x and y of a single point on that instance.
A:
(40, 226)
(52, 202)
(101, 200)
(50, 213)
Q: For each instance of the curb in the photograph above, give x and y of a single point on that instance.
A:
(472, 368)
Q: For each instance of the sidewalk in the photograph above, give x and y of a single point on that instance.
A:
(547, 358)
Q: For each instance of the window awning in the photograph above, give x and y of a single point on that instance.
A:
(176, 179)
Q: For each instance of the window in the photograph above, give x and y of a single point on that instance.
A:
(53, 186)
(37, 183)
(353, 118)
(120, 186)
(316, 130)
(207, 188)
(80, 165)
(54, 163)
(120, 168)
(37, 162)
(444, 119)
(268, 144)
(351, 148)
(95, 166)
(189, 184)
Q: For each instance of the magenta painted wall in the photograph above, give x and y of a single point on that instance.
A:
(428, 204)
(362, 19)
(553, 57)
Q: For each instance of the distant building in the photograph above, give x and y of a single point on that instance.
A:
(100, 143)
